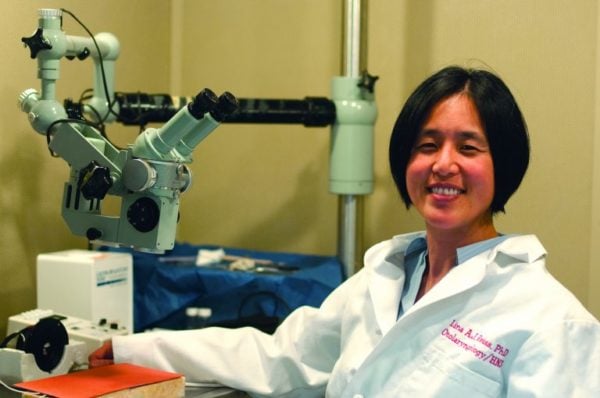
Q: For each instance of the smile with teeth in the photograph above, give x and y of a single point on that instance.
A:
(446, 191)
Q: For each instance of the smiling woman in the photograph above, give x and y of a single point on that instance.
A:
(495, 111)
(450, 175)
(450, 181)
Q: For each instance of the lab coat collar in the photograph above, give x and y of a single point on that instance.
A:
(384, 265)
(385, 268)
(525, 248)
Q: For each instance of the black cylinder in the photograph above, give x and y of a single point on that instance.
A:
(311, 111)
(141, 109)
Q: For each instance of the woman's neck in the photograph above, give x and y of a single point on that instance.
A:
(441, 249)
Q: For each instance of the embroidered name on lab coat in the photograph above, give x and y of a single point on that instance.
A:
(475, 343)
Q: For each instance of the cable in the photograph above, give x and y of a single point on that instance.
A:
(100, 125)
(85, 94)
(21, 391)
(8, 339)
(110, 101)
(78, 121)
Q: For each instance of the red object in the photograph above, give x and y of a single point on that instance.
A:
(98, 381)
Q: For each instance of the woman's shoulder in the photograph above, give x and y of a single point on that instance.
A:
(533, 285)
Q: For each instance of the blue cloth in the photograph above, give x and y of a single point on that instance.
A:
(415, 262)
(165, 285)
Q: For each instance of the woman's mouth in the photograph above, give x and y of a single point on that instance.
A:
(445, 191)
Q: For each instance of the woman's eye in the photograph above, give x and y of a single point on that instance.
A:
(469, 148)
(426, 147)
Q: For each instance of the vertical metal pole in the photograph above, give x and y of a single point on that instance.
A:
(350, 206)
(354, 37)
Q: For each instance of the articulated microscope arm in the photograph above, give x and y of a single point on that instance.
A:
(149, 175)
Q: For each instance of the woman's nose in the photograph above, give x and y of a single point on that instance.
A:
(446, 162)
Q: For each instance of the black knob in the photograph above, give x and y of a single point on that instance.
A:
(93, 233)
(95, 181)
(368, 81)
(37, 42)
(81, 56)
(143, 214)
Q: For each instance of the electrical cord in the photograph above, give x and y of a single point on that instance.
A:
(110, 101)
(86, 95)
(59, 121)
(4, 344)
(22, 391)
(100, 124)
(46, 341)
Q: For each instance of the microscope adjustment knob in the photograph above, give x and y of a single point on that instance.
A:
(93, 234)
(138, 175)
(368, 81)
(36, 43)
(30, 94)
(95, 181)
(143, 214)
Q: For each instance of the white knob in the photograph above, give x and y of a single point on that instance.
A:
(49, 12)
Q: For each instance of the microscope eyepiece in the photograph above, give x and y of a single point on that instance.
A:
(204, 102)
(226, 105)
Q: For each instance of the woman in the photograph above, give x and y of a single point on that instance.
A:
(456, 310)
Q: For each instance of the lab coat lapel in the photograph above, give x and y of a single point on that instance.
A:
(459, 279)
(409, 329)
(385, 294)
(470, 273)
(386, 278)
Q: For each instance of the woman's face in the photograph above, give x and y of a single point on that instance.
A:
(450, 175)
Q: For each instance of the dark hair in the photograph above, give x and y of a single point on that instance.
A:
(502, 121)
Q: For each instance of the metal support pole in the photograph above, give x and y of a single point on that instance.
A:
(350, 206)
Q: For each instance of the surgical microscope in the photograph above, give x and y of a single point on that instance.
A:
(151, 174)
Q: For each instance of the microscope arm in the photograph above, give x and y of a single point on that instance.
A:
(150, 174)
(49, 44)
(351, 112)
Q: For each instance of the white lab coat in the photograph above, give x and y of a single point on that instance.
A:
(496, 325)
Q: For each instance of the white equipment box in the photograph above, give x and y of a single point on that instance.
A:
(92, 285)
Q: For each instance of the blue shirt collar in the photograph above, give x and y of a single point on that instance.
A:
(419, 245)
(415, 263)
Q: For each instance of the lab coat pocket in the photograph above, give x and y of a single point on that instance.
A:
(433, 374)
(436, 375)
